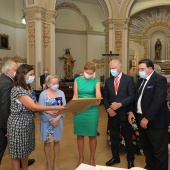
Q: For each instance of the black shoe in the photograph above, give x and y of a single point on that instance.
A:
(30, 161)
(112, 162)
(130, 164)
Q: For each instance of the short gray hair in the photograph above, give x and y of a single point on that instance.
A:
(7, 65)
(118, 62)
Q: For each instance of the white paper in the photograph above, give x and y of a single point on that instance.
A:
(85, 167)
(98, 167)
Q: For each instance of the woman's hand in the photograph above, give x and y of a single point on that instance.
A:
(97, 102)
(54, 122)
(59, 108)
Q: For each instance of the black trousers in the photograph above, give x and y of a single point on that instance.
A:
(154, 143)
(126, 129)
(3, 143)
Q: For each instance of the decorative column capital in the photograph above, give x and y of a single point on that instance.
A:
(38, 13)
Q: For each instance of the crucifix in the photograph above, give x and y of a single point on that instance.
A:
(107, 59)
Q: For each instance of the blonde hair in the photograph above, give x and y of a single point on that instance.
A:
(50, 77)
(90, 66)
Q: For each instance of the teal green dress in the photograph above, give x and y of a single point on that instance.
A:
(86, 123)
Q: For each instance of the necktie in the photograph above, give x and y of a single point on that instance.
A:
(116, 80)
(141, 88)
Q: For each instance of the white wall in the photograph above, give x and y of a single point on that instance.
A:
(95, 47)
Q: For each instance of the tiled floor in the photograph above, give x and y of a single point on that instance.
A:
(68, 156)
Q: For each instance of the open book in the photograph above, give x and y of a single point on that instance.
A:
(79, 105)
(98, 167)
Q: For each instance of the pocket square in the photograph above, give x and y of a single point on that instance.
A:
(149, 87)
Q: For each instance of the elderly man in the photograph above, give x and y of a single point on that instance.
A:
(6, 82)
(118, 96)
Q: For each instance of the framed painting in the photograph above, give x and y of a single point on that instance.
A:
(4, 42)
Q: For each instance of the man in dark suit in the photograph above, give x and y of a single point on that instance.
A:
(152, 116)
(6, 83)
(118, 95)
(43, 76)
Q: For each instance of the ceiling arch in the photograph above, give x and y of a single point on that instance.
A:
(71, 6)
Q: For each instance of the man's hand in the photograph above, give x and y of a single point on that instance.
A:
(144, 123)
(116, 105)
(112, 113)
(130, 117)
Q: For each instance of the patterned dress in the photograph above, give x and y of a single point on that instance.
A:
(48, 133)
(20, 126)
(86, 123)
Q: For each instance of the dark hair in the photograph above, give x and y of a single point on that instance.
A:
(148, 63)
(19, 79)
(90, 66)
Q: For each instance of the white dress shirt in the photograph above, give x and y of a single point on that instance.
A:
(139, 110)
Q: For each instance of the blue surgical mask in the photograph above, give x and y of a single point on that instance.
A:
(46, 72)
(55, 87)
(30, 79)
(142, 74)
(114, 72)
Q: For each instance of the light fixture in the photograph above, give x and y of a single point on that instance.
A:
(23, 20)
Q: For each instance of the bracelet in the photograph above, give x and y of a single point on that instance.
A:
(52, 107)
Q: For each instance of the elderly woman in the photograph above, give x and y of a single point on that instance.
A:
(20, 126)
(51, 127)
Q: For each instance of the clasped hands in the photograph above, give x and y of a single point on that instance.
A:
(114, 106)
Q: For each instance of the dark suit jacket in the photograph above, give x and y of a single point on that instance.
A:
(6, 84)
(153, 102)
(42, 79)
(125, 95)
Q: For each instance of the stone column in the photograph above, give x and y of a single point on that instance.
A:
(40, 39)
(116, 40)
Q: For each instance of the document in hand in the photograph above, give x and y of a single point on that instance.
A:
(79, 105)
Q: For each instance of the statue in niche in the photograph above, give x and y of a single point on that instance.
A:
(68, 65)
(158, 48)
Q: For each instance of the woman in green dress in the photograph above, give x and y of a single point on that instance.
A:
(86, 123)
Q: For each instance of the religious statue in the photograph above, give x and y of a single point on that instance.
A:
(158, 48)
(68, 65)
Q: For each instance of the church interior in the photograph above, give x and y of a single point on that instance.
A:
(39, 32)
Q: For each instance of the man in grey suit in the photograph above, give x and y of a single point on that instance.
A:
(118, 96)
(6, 83)
(152, 116)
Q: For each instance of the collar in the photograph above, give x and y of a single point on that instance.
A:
(147, 78)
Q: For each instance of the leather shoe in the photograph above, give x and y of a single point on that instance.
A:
(130, 165)
(30, 161)
(112, 162)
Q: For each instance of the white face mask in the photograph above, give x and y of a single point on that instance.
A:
(55, 87)
(88, 76)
